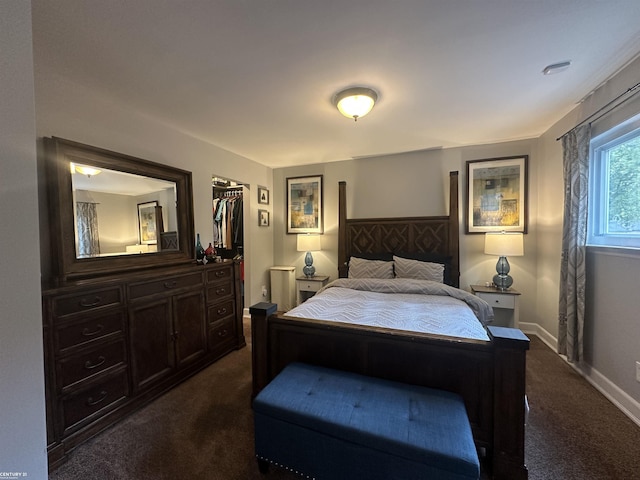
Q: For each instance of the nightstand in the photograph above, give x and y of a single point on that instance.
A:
(505, 301)
(308, 286)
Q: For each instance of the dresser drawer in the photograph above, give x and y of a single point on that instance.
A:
(222, 337)
(164, 285)
(89, 330)
(91, 362)
(79, 408)
(86, 301)
(219, 291)
(221, 310)
(217, 274)
(499, 300)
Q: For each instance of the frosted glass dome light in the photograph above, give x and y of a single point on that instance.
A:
(355, 102)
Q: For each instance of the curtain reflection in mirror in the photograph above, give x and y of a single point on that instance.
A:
(87, 227)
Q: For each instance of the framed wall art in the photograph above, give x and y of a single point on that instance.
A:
(263, 196)
(304, 204)
(263, 218)
(148, 223)
(497, 195)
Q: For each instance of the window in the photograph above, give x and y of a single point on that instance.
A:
(614, 195)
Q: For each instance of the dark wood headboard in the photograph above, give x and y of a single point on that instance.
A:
(419, 235)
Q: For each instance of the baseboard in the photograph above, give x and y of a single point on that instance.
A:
(625, 403)
(621, 399)
(541, 333)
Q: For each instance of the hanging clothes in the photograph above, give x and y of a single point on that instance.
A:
(227, 220)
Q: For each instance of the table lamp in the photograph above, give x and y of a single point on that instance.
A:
(503, 244)
(308, 243)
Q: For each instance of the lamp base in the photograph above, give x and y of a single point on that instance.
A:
(502, 280)
(309, 270)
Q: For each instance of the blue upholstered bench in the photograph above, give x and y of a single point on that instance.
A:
(329, 424)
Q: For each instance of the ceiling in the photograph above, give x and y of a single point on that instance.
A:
(119, 183)
(257, 77)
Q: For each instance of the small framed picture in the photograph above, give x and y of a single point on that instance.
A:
(263, 196)
(147, 223)
(263, 218)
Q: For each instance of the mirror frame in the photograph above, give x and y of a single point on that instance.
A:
(65, 266)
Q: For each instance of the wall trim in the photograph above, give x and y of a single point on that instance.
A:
(541, 333)
(621, 399)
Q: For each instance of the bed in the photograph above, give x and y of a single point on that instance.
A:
(488, 372)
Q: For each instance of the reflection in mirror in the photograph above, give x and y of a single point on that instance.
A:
(118, 213)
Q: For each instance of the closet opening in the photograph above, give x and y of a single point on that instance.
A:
(228, 221)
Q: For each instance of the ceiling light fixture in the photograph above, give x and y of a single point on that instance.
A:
(556, 68)
(355, 102)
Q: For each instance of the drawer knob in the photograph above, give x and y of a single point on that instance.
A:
(220, 273)
(88, 303)
(170, 284)
(101, 396)
(221, 291)
(223, 333)
(90, 333)
(222, 311)
(89, 365)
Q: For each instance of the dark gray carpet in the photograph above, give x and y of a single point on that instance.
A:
(203, 430)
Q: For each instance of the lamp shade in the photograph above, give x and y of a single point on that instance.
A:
(355, 102)
(308, 243)
(504, 244)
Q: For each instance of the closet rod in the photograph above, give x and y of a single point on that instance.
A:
(601, 111)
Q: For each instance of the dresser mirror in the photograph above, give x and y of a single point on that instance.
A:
(110, 212)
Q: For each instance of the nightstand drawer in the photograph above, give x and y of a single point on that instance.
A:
(499, 300)
(309, 285)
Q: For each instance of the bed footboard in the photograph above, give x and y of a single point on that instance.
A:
(490, 376)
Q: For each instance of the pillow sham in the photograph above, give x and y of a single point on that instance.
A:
(362, 268)
(406, 268)
(433, 258)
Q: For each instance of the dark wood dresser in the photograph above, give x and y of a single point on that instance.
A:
(114, 343)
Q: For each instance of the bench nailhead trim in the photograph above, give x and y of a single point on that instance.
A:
(285, 467)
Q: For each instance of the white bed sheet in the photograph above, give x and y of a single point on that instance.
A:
(442, 314)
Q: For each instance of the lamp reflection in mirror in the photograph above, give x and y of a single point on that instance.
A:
(308, 243)
(503, 244)
(84, 170)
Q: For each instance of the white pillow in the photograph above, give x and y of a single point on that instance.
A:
(406, 268)
(363, 268)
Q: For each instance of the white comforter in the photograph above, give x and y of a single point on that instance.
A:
(400, 304)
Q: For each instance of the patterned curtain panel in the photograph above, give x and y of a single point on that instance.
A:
(87, 225)
(574, 239)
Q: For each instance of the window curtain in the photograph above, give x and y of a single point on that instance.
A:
(574, 238)
(87, 226)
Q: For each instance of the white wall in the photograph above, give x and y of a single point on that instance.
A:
(22, 414)
(68, 110)
(612, 328)
(411, 184)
